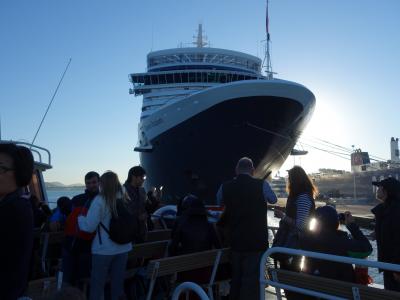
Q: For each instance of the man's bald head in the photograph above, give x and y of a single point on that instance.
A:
(245, 166)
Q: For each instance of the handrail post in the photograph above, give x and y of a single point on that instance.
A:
(189, 286)
(153, 280)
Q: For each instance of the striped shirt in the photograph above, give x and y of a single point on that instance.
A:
(304, 203)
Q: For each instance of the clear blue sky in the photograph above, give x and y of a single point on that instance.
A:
(346, 52)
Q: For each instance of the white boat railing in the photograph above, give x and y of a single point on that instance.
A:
(43, 155)
(189, 286)
(340, 259)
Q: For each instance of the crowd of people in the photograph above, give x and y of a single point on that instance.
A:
(95, 247)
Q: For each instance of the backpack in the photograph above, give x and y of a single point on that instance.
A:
(123, 226)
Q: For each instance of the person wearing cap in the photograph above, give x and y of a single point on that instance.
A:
(387, 228)
(245, 219)
(327, 238)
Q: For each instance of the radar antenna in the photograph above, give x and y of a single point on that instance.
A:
(200, 39)
(267, 64)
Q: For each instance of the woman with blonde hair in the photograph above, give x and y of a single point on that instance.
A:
(108, 257)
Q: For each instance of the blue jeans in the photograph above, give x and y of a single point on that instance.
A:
(104, 267)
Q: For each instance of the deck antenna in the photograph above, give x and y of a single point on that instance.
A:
(200, 39)
(267, 57)
(51, 101)
(152, 37)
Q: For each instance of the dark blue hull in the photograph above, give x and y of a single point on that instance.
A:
(209, 144)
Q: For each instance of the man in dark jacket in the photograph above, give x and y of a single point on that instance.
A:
(245, 199)
(137, 198)
(387, 228)
(77, 245)
(327, 238)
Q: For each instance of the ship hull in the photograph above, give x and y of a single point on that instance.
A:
(205, 147)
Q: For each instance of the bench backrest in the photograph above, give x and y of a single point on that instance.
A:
(149, 250)
(193, 261)
(158, 235)
(332, 287)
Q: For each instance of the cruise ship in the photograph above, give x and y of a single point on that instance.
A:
(204, 108)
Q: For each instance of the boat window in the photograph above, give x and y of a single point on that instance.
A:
(222, 78)
(170, 78)
(211, 77)
(198, 77)
(161, 79)
(185, 77)
(35, 187)
(192, 77)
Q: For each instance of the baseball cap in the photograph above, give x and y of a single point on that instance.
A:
(390, 184)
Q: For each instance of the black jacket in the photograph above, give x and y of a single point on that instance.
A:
(16, 231)
(387, 230)
(245, 214)
(337, 243)
(193, 233)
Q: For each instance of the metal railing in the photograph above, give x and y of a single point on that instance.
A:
(189, 286)
(335, 258)
(36, 150)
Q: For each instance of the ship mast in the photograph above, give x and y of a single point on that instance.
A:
(267, 57)
(200, 39)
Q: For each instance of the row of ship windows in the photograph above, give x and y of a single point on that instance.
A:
(150, 107)
(204, 58)
(190, 77)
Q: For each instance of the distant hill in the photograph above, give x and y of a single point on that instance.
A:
(59, 185)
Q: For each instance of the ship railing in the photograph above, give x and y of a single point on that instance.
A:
(272, 278)
(189, 286)
(42, 155)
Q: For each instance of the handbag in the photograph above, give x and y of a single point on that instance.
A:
(288, 237)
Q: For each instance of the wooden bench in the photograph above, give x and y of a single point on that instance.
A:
(176, 264)
(158, 235)
(332, 287)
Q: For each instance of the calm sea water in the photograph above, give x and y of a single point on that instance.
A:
(54, 193)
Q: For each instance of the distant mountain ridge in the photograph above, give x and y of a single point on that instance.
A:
(56, 184)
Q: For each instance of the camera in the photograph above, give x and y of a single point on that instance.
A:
(341, 217)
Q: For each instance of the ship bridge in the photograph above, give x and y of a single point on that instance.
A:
(175, 74)
(202, 58)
